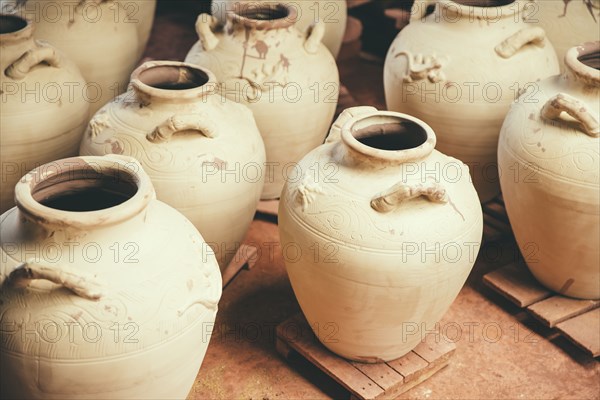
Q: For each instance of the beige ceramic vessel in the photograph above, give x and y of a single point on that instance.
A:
(333, 14)
(107, 293)
(41, 117)
(379, 234)
(203, 152)
(550, 145)
(459, 69)
(287, 78)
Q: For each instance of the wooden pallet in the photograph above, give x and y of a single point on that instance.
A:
(576, 320)
(495, 221)
(243, 259)
(365, 381)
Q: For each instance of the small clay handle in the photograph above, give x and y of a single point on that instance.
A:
(510, 46)
(564, 103)
(80, 283)
(390, 199)
(180, 123)
(419, 9)
(207, 37)
(40, 54)
(335, 133)
(314, 37)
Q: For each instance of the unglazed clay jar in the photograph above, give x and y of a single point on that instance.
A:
(98, 35)
(203, 152)
(459, 69)
(379, 234)
(549, 143)
(143, 16)
(107, 293)
(287, 78)
(566, 22)
(41, 117)
(333, 13)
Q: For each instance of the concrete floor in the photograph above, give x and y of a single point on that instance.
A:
(498, 355)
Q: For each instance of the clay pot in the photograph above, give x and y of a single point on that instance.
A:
(333, 13)
(459, 69)
(566, 22)
(98, 35)
(107, 293)
(379, 234)
(143, 16)
(287, 78)
(203, 152)
(43, 112)
(549, 143)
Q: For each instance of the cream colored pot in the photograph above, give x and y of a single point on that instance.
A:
(43, 111)
(549, 145)
(100, 36)
(333, 14)
(287, 78)
(203, 152)
(107, 293)
(379, 233)
(143, 16)
(566, 22)
(459, 69)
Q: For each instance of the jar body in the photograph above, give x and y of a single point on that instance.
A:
(143, 14)
(371, 283)
(447, 65)
(291, 91)
(552, 193)
(144, 335)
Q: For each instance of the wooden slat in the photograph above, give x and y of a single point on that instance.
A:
(516, 283)
(269, 207)
(434, 348)
(557, 309)
(245, 257)
(381, 373)
(584, 331)
(409, 366)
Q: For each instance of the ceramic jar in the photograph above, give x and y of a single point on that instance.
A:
(142, 15)
(333, 13)
(379, 234)
(107, 293)
(43, 112)
(203, 152)
(287, 78)
(100, 36)
(459, 69)
(549, 143)
(566, 22)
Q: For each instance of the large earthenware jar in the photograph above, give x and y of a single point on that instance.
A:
(100, 36)
(43, 112)
(143, 16)
(203, 152)
(566, 22)
(379, 234)
(333, 14)
(288, 79)
(550, 148)
(107, 293)
(459, 69)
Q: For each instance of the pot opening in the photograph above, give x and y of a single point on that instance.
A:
(403, 135)
(11, 24)
(591, 60)
(264, 12)
(169, 77)
(83, 190)
(484, 3)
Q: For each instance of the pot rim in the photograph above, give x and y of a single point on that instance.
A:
(25, 32)
(290, 19)
(115, 164)
(396, 156)
(588, 75)
(482, 12)
(207, 88)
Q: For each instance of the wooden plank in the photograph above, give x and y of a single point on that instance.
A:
(409, 366)
(244, 257)
(269, 207)
(496, 210)
(435, 347)
(381, 373)
(557, 309)
(584, 331)
(515, 282)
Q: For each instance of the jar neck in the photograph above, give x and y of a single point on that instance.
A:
(16, 38)
(582, 67)
(250, 16)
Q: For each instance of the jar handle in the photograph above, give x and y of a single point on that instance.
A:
(314, 37)
(510, 46)
(82, 284)
(180, 123)
(564, 103)
(390, 199)
(204, 24)
(335, 133)
(419, 9)
(42, 53)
